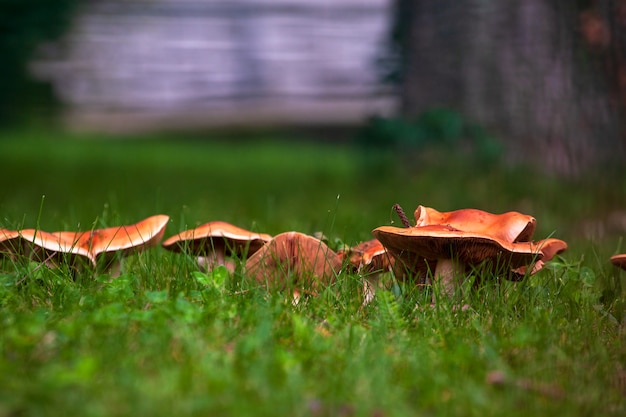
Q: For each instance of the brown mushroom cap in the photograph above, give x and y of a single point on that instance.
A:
(368, 256)
(217, 236)
(508, 227)
(619, 260)
(435, 242)
(292, 254)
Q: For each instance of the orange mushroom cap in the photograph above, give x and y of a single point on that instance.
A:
(508, 227)
(368, 256)
(99, 243)
(619, 260)
(133, 238)
(307, 259)
(9, 241)
(469, 236)
(6, 235)
(48, 245)
(217, 236)
(549, 248)
(434, 242)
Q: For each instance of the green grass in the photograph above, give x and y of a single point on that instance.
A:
(166, 339)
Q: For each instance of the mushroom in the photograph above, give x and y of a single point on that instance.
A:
(7, 237)
(53, 248)
(450, 242)
(214, 241)
(452, 250)
(10, 242)
(370, 259)
(619, 260)
(99, 245)
(127, 240)
(549, 248)
(304, 258)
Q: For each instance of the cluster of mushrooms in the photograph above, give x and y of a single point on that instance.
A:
(441, 247)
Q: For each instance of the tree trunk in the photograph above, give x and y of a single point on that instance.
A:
(519, 68)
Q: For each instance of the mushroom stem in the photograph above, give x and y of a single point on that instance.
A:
(446, 273)
(215, 259)
(369, 288)
(219, 257)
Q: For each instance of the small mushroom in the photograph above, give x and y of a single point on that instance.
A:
(370, 259)
(214, 241)
(452, 250)
(293, 255)
(549, 248)
(619, 260)
(99, 245)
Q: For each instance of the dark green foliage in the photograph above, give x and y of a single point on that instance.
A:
(24, 24)
(437, 128)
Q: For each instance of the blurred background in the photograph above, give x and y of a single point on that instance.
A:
(166, 63)
(405, 83)
(546, 78)
(148, 64)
